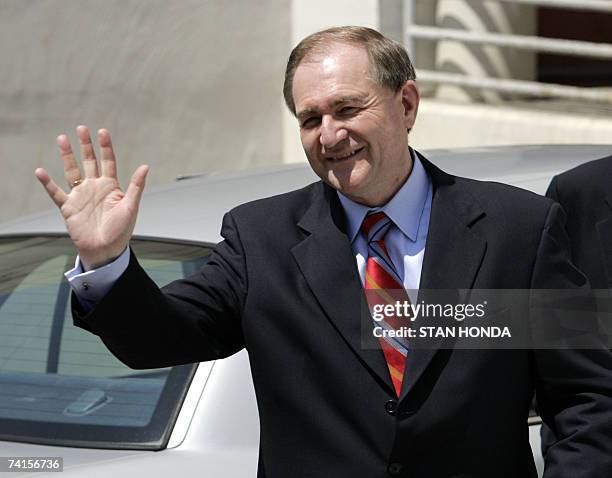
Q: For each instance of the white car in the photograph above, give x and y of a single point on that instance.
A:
(65, 401)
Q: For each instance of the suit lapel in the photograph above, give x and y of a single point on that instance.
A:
(326, 260)
(453, 255)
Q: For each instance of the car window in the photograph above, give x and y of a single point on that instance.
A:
(58, 383)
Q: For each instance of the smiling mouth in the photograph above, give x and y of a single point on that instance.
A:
(344, 157)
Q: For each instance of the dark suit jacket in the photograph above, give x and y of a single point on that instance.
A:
(585, 193)
(284, 285)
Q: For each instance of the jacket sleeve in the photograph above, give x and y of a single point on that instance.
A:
(573, 385)
(190, 320)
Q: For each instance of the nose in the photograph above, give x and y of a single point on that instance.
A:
(332, 132)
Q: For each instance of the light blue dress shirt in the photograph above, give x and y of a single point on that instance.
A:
(409, 210)
(91, 286)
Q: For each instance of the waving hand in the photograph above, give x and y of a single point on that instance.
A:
(100, 217)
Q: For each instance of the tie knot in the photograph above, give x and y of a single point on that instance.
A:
(375, 225)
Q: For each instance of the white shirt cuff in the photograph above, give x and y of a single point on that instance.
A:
(93, 285)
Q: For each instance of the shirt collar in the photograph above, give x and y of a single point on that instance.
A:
(404, 209)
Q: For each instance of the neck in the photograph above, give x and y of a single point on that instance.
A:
(382, 196)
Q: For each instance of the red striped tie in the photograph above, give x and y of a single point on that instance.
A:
(384, 286)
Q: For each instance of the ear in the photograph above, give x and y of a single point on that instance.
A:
(410, 101)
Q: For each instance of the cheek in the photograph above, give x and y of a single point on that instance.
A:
(370, 129)
(310, 142)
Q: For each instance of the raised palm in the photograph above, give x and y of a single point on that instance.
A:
(99, 216)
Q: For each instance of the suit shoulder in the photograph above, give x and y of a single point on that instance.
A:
(594, 173)
(521, 214)
(498, 200)
(492, 194)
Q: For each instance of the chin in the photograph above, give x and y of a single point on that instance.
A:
(350, 189)
(348, 180)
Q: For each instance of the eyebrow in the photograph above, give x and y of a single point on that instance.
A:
(344, 99)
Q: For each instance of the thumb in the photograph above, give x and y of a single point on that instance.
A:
(136, 186)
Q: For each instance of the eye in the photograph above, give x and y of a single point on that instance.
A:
(348, 110)
(310, 122)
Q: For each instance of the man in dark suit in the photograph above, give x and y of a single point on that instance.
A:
(585, 193)
(287, 283)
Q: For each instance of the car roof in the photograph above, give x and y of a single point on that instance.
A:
(191, 209)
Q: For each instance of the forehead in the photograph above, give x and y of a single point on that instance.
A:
(338, 70)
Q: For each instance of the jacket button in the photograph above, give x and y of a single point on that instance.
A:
(395, 468)
(391, 407)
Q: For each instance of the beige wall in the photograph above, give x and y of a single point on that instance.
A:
(186, 86)
(443, 124)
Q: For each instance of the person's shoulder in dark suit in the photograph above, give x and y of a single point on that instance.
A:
(585, 193)
(589, 180)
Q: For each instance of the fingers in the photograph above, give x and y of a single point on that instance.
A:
(53, 190)
(71, 168)
(108, 165)
(88, 156)
(136, 186)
